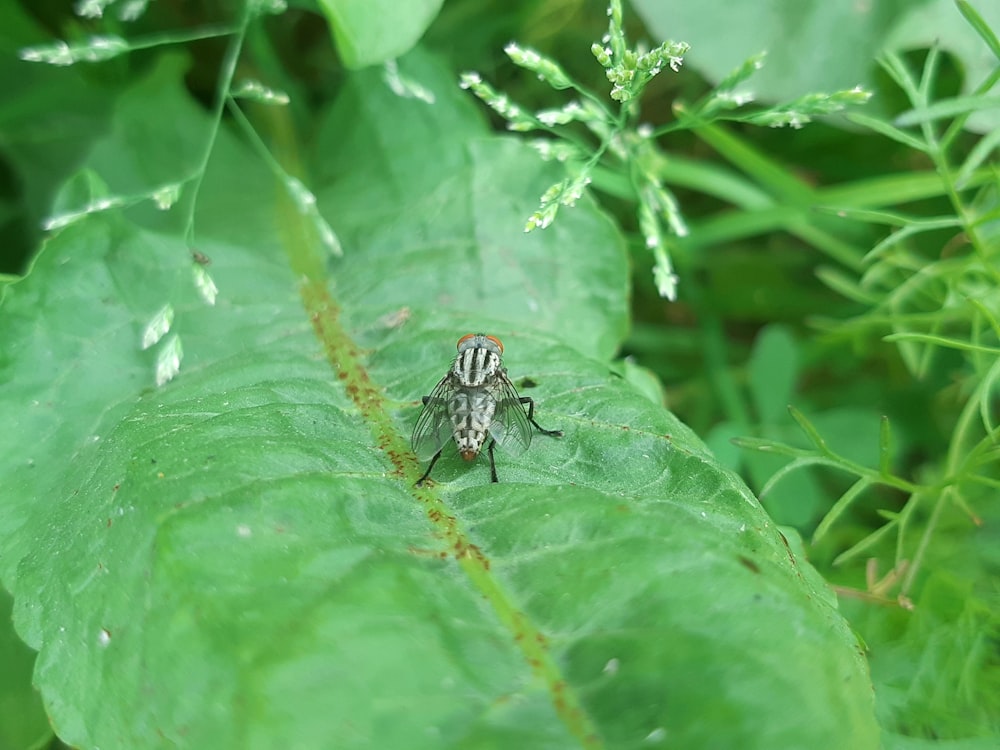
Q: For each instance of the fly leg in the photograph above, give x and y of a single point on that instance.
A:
(493, 464)
(531, 418)
(420, 482)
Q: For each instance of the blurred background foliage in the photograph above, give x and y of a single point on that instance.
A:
(779, 302)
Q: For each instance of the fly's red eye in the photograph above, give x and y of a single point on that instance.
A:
(465, 338)
(496, 341)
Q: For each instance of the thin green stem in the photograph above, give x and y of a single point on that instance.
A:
(925, 540)
(255, 140)
(226, 76)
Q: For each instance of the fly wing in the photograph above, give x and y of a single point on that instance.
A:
(510, 427)
(433, 427)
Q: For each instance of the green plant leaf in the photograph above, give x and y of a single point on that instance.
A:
(239, 558)
(24, 724)
(773, 369)
(370, 33)
(802, 54)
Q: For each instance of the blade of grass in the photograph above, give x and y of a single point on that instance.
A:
(943, 108)
(888, 130)
(942, 341)
(845, 285)
(980, 26)
(839, 508)
(787, 188)
(865, 544)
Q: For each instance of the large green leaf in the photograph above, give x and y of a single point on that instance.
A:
(811, 45)
(239, 558)
(822, 45)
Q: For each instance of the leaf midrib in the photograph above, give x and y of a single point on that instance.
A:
(346, 360)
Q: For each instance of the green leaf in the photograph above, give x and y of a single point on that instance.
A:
(802, 53)
(239, 558)
(24, 723)
(773, 369)
(643, 380)
(369, 33)
(766, 445)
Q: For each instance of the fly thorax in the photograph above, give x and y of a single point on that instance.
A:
(474, 368)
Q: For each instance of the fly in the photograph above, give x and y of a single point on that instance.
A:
(475, 403)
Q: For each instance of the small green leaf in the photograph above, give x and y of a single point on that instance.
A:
(843, 503)
(371, 33)
(811, 432)
(772, 372)
(24, 722)
(771, 446)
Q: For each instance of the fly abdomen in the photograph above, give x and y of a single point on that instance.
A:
(471, 412)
